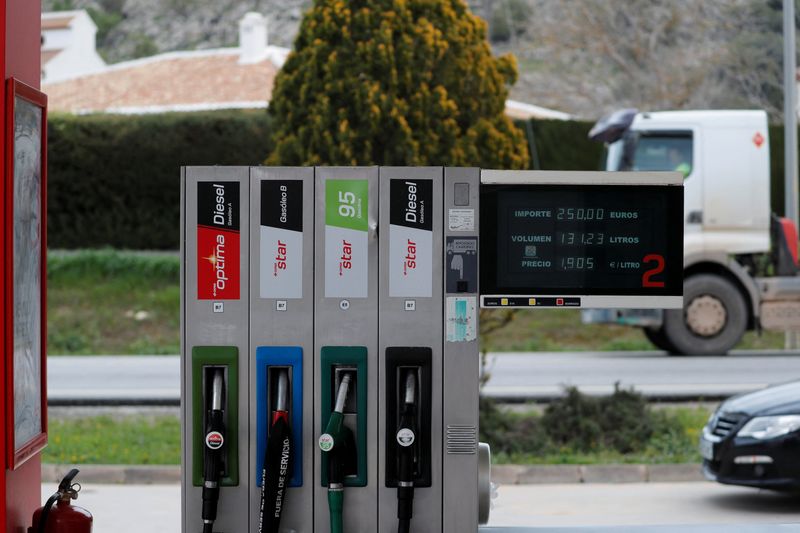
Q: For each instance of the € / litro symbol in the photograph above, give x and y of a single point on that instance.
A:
(405, 437)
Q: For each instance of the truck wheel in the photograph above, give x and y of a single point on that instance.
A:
(713, 318)
(659, 339)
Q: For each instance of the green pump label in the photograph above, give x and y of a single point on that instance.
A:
(346, 238)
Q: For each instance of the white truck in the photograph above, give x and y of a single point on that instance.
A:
(740, 261)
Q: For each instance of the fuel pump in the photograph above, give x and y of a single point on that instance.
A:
(214, 445)
(339, 445)
(58, 515)
(277, 460)
(407, 456)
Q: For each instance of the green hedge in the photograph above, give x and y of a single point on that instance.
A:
(114, 180)
(562, 145)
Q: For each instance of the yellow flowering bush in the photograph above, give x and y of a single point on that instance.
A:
(394, 82)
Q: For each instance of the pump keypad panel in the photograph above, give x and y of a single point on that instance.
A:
(565, 241)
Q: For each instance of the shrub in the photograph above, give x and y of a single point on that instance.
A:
(392, 82)
(574, 421)
(622, 422)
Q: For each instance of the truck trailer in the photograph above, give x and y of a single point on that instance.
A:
(740, 259)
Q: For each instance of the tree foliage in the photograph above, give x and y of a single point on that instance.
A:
(394, 82)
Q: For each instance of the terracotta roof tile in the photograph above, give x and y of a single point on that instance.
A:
(47, 55)
(56, 23)
(195, 80)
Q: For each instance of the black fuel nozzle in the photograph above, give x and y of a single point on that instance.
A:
(214, 445)
(278, 457)
(407, 454)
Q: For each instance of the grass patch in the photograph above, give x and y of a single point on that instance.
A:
(567, 432)
(136, 440)
(578, 429)
(554, 330)
(110, 302)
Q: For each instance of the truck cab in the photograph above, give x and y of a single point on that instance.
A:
(731, 241)
(725, 159)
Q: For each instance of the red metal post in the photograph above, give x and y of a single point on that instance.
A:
(20, 58)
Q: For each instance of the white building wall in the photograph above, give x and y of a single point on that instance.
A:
(78, 54)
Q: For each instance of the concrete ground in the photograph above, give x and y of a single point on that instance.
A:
(633, 504)
(136, 508)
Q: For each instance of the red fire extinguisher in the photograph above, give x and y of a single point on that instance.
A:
(58, 515)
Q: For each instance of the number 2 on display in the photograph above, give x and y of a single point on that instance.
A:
(658, 269)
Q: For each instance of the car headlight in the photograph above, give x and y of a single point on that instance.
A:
(769, 427)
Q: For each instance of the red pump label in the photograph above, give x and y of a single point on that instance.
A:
(218, 241)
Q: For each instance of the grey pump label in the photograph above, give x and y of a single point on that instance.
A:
(281, 239)
(411, 238)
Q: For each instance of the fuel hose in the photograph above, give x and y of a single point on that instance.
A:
(277, 460)
(406, 464)
(336, 443)
(214, 445)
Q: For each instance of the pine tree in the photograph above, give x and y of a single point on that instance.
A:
(394, 82)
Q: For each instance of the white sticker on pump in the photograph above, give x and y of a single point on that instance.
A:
(281, 239)
(461, 319)
(346, 238)
(411, 238)
(461, 220)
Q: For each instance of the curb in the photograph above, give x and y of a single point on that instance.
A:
(116, 474)
(613, 473)
(501, 474)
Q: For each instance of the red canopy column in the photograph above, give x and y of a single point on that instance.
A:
(20, 58)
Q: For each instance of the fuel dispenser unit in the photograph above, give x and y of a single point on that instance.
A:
(215, 344)
(281, 351)
(346, 341)
(410, 352)
(330, 356)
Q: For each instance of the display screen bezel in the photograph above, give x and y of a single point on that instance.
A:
(672, 226)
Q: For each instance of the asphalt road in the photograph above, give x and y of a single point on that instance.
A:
(513, 376)
(517, 376)
(122, 378)
(532, 508)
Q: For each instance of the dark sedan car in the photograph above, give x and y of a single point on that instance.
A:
(754, 439)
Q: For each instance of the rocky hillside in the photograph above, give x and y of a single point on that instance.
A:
(585, 57)
(129, 29)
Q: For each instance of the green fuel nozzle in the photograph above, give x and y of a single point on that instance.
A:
(338, 444)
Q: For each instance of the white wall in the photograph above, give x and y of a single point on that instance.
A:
(79, 53)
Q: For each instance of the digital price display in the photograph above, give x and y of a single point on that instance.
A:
(581, 239)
